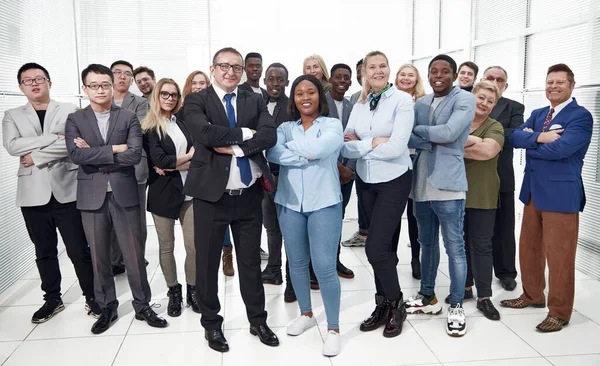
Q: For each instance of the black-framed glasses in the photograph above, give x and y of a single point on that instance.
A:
(118, 73)
(238, 69)
(492, 79)
(103, 86)
(166, 95)
(38, 80)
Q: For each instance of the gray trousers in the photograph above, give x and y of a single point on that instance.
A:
(125, 223)
(116, 257)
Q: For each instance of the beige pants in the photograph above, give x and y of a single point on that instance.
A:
(165, 228)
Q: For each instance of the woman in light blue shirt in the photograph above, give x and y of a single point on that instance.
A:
(377, 135)
(309, 202)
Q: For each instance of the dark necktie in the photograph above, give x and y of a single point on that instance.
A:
(242, 163)
(548, 120)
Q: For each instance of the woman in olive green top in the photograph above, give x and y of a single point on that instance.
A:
(481, 158)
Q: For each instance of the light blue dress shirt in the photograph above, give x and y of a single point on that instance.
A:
(393, 118)
(308, 177)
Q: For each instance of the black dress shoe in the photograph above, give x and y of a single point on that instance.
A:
(216, 340)
(265, 334)
(108, 316)
(378, 317)
(289, 295)
(508, 283)
(395, 319)
(468, 295)
(487, 308)
(272, 276)
(117, 270)
(344, 271)
(151, 318)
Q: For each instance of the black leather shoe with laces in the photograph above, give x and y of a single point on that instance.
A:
(151, 318)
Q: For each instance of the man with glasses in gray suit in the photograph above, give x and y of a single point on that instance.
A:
(123, 75)
(106, 141)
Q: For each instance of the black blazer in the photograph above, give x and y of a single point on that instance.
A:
(165, 193)
(510, 114)
(207, 122)
(97, 164)
(245, 86)
(280, 114)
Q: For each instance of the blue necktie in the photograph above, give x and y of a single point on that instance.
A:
(242, 163)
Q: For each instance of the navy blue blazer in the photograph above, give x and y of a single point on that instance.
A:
(553, 170)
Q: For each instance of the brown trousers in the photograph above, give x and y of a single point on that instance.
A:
(550, 236)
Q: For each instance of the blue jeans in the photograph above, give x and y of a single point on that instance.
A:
(449, 215)
(314, 236)
(227, 239)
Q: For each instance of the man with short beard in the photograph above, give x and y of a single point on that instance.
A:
(145, 80)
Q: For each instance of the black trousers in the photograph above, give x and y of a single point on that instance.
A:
(503, 242)
(479, 228)
(271, 223)
(126, 224)
(413, 231)
(244, 214)
(363, 220)
(384, 205)
(41, 223)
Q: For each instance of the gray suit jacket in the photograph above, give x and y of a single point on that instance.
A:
(333, 113)
(97, 164)
(444, 137)
(354, 97)
(53, 172)
(140, 107)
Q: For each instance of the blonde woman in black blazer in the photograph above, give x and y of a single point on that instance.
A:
(170, 148)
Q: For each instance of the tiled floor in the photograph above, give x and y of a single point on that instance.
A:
(66, 340)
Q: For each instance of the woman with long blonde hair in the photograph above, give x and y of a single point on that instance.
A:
(377, 136)
(315, 65)
(196, 81)
(408, 80)
(170, 148)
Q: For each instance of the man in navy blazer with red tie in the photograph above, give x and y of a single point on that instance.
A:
(556, 139)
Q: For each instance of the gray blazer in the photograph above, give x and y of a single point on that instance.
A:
(53, 172)
(140, 107)
(98, 165)
(444, 137)
(333, 113)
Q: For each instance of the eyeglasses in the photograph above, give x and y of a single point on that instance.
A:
(165, 95)
(103, 86)
(225, 67)
(119, 73)
(38, 80)
(492, 79)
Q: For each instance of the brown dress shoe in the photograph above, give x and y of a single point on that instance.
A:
(519, 303)
(552, 324)
(228, 261)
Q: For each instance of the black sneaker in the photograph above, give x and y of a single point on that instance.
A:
(92, 308)
(50, 308)
(272, 276)
(468, 295)
(487, 308)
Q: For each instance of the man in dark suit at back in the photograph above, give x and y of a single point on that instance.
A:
(253, 68)
(231, 129)
(106, 142)
(340, 108)
(510, 114)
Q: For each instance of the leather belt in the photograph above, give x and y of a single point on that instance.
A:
(235, 192)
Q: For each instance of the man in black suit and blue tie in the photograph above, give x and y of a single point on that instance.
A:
(231, 129)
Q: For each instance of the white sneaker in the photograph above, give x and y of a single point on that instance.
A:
(356, 240)
(300, 325)
(420, 304)
(333, 344)
(457, 321)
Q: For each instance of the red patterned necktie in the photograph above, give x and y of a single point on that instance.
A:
(548, 119)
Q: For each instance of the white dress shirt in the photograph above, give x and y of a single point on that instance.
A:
(180, 142)
(235, 179)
